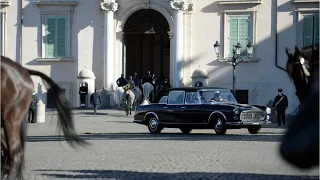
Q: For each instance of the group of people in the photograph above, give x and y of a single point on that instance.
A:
(135, 81)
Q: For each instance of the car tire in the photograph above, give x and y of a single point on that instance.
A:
(185, 130)
(254, 130)
(219, 126)
(153, 125)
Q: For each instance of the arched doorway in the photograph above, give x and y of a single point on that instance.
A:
(147, 43)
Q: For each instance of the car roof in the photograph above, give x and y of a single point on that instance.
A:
(187, 89)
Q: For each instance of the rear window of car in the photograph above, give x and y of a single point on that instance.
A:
(176, 97)
(163, 100)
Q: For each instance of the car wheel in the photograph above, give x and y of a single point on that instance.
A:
(254, 130)
(153, 125)
(219, 127)
(185, 130)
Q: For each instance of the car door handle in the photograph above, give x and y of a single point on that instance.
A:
(183, 107)
(165, 107)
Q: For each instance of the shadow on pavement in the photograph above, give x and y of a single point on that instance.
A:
(164, 136)
(126, 175)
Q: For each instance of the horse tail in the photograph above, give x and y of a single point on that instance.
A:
(65, 119)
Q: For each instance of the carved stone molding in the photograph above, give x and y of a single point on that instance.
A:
(108, 5)
(178, 5)
(305, 1)
(120, 35)
(55, 2)
(4, 3)
(170, 34)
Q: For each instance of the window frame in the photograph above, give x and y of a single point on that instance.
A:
(184, 96)
(252, 31)
(41, 45)
(300, 17)
(56, 36)
(186, 103)
(166, 100)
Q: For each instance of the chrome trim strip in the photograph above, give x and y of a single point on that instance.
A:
(216, 112)
(233, 123)
(152, 114)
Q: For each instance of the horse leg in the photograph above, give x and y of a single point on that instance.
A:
(12, 128)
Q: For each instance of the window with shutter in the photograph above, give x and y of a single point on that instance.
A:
(56, 36)
(239, 32)
(310, 30)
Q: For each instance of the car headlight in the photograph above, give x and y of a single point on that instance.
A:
(236, 110)
(268, 110)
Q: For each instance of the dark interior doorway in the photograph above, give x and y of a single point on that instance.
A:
(147, 43)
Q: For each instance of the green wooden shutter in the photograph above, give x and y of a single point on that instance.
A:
(244, 34)
(316, 29)
(61, 36)
(50, 37)
(234, 33)
(307, 30)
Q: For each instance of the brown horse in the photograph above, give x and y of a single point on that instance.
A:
(300, 145)
(16, 93)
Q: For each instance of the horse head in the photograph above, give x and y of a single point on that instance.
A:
(300, 67)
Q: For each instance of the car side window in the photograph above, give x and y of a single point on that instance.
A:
(176, 97)
(192, 98)
(163, 100)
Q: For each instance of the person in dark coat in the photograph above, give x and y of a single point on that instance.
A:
(131, 82)
(281, 104)
(147, 78)
(32, 109)
(122, 81)
(83, 91)
(136, 79)
(95, 100)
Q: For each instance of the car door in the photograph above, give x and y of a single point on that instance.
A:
(191, 111)
(173, 110)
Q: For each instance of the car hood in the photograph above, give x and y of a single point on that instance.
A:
(241, 106)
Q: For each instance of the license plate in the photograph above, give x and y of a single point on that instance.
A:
(255, 123)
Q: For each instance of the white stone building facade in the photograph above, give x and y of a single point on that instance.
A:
(61, 38)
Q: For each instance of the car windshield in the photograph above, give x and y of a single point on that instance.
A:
(217, 95)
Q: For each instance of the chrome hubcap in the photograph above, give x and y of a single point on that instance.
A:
(153, 123)
(219, 124)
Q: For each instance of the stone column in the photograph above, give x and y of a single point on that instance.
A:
(109, 7)
(178, 6)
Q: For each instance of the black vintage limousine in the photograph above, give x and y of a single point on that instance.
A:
(200, 108)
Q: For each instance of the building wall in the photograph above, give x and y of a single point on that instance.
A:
(204, 25)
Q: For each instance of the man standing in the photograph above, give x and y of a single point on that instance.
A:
(147, 78)
(136, 79)
(281, 104)
(83, 91)
(95, 100)
(32, 109)
(131, 82)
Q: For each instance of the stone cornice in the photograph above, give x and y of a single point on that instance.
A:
(239, 2)
(305, 1)
(56, 2)
(108, 5)
(4, 3)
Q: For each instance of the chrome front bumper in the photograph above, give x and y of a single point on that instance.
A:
(263, 122)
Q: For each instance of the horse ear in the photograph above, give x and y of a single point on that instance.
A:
(289, 53)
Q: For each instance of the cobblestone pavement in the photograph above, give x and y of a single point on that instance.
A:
(124, 150)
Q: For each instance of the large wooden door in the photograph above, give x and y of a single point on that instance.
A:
(146, 52)
(147, 44)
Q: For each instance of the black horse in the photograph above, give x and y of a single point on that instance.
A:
(300, 145)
